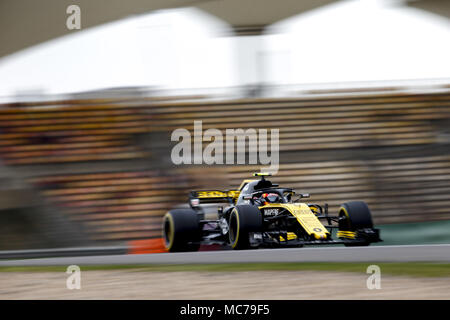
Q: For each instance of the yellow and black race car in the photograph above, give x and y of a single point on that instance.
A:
(262, 214)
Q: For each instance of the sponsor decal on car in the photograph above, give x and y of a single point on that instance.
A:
(271, 212)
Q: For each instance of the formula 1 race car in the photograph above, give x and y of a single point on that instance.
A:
(261, 214)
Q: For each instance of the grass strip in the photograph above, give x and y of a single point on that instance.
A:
(414, 269)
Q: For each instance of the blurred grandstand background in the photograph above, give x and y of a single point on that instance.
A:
(101, 169)
(94, 167)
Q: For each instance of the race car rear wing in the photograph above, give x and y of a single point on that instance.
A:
(212, 196)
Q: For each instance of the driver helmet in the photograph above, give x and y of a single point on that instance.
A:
(270, 198)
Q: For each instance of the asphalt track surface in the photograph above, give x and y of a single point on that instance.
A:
(407, 253)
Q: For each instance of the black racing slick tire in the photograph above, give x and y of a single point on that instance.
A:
(355, 215)
(181, 230)
(243, 220)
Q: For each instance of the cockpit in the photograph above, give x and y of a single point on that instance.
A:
(262, 192)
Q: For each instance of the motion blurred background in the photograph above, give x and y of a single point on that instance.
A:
(360, 91)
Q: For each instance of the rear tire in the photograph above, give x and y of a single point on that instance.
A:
(356, 216)
(243, 220)
(181, 230)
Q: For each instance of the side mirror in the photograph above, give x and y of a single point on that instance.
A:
(302, 196)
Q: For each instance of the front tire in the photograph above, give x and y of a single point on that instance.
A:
(243, 220)
(181, 230)
(355, 215)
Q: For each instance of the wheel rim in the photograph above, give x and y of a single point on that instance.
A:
(344, 224)
(233, 226)
(168, 232)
